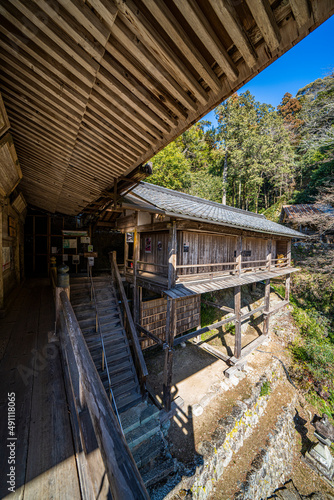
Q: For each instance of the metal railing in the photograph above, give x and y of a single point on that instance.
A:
(104, 360)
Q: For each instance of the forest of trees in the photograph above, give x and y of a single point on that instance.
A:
(259, 158)
(258, 155)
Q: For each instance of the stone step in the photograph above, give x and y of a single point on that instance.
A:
(149, 450)
(142, 433)
(159, 472)
(139, 415)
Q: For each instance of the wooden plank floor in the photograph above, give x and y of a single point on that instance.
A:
(45, 465)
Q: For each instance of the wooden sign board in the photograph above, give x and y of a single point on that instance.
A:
(4, 122)
(90, 254)
(10, 171)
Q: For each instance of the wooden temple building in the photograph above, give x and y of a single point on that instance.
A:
(181, 246)
(90, 90)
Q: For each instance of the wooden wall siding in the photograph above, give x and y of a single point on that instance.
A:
(10, 171)
(281, 248)
(94, 89)
(4, 121)
(205, 249)
(156, 256)
(258, 249)
(153, 316)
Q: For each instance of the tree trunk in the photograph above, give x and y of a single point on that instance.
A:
(224, 178)
(239, 194)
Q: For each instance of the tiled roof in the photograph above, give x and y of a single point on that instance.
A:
(179, 204)
(298, 211)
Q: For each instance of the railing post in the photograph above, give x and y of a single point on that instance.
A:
(269, 247)
(172, 244)
(288, 253)
(238, 255)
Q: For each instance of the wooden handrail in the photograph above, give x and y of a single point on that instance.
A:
(252, 261)
(134, 337)
(152, 264)
(206, 265)
(124, 478)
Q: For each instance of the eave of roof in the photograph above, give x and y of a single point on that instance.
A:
(185, 206)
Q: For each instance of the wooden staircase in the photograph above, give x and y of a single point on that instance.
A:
(122, 372)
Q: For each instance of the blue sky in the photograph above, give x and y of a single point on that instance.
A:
(310, 59)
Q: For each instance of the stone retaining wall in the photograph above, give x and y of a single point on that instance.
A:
(228, 438)
(273, 464)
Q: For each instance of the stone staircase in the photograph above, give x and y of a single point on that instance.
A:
(139, 418)
(141, 426)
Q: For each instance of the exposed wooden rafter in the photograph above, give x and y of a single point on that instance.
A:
(94, 88)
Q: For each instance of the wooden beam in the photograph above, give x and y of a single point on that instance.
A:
(205, 329)
(106, 9)
(221, 308)
(237, 308)
(301, 11)
(172, 253)
(150, 335)
(152, 65)
(248, 349)
(252, 312)
(275, 309)
(228, 16)
(201, 26)
(175, 31)
(287, 287)
(267, 307)
(265, 19)
(136, 254)
(211, 350)
(146, 32)
(168, 362)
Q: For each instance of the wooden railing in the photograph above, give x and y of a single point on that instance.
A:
(125, 482)
(142, 266)
(234, 269)
(139, 358)
(188, 271)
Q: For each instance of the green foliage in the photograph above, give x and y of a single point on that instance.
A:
(316, 176)
(171, 169)
(274, 211)
(265, 389)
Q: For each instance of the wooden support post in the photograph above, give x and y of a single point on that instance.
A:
(1, 263)
(172, 243)
(136, 251)
(237, 310)
(269, 257)
(115, 192)
(238, 255)
(126, 251)
(267, 307)
(168, 364)
(139, 295)
(288, 253)
(287, 287)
